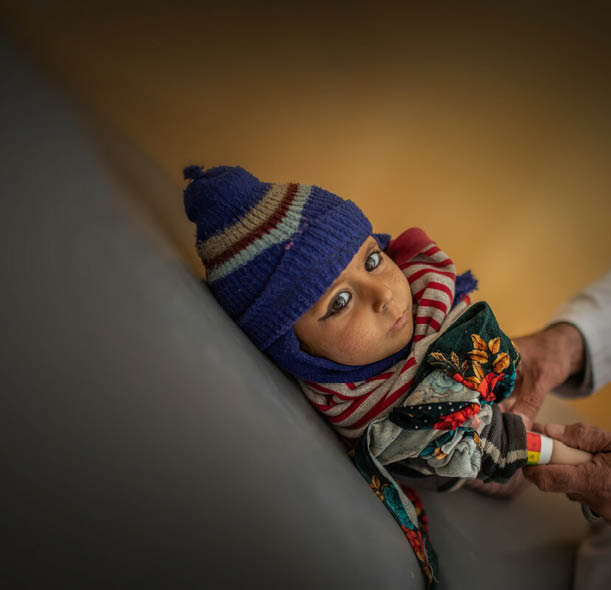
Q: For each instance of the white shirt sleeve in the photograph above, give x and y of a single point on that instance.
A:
(590, 312)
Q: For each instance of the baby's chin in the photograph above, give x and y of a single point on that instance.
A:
(368, 359)
(399, 341)
(390, 344)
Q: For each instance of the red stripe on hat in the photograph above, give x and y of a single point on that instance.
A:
(273, 220)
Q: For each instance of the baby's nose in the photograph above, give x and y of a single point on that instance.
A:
(382, 296)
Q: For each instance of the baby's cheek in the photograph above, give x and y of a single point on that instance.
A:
(354, 340)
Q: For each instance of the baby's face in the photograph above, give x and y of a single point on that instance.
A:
(364, 316)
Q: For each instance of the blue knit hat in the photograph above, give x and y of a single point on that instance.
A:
(271, 250)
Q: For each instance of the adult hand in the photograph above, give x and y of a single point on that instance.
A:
(499, 490)
(589, 483)
(548, 359)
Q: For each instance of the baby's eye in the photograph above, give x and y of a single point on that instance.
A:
(376, 257)
(340, 302)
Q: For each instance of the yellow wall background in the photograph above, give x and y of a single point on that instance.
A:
(488, 126)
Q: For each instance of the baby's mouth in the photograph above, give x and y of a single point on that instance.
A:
(400, 321)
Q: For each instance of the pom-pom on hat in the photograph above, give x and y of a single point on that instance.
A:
(271, 250)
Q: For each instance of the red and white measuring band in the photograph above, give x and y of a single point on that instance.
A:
(539, 448)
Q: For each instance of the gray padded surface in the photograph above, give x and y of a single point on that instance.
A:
(148, 443)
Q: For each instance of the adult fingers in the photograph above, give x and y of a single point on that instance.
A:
(585, 480)
(554, 478)
(589, 483)
(528, 403)
(581, 436)
(529, 391)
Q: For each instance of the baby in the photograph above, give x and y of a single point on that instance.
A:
(380, 335)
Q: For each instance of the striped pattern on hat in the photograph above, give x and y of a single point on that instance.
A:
(272, 220)
(270, 249)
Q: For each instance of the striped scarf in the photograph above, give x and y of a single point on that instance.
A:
(355, 406)
(351, 407)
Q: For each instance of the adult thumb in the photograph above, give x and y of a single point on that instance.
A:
(581, 436)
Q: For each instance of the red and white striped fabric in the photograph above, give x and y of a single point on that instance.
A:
(351, 407)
